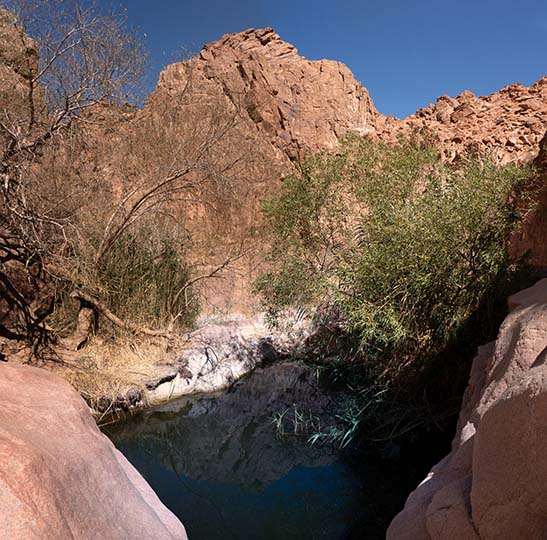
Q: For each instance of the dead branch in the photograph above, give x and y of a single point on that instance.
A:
(100, 308)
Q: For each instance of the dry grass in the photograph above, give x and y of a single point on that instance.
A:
(111, 376)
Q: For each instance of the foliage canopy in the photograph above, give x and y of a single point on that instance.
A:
(403, 245)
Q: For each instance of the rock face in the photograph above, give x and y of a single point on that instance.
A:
(60, 478)
(530, 240)
(296, 105)
(219, 353)
(278, 106)
(508, 124)
(492, 484)
(301, 106)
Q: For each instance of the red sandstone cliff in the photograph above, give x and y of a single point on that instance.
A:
(508, 124)
(294, 104)
(258, 107)
(280, 106)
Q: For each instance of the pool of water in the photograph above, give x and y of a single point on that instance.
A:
(220, 464)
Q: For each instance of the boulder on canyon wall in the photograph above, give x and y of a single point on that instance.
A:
(493, 483)
(60, 477)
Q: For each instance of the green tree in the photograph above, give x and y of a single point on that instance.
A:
(402, 246)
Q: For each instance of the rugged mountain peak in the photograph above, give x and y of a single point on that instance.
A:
(294, 104)
(297, 105)
(264, 40)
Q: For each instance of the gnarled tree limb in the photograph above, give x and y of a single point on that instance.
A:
(89, 301)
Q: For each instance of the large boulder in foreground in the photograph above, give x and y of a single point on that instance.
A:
(494, 482)
(60, 477)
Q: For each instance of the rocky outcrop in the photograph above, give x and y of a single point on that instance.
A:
(492, 484)
(300, 106)
(218, 353)
(508, 124)
(295, 105)
(60, 478)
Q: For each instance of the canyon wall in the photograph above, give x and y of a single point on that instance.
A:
(265, 108)
(244, 113)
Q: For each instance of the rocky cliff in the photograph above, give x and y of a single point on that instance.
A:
(258, 108)
(530, 241)
(291, 103)
(508, 124)
(300, 106)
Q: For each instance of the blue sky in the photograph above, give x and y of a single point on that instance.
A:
(405, 52)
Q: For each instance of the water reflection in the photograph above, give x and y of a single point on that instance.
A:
(218, 463)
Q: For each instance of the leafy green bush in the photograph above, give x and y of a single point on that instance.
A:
(405, 246)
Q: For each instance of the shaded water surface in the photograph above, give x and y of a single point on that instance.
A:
(219, 464)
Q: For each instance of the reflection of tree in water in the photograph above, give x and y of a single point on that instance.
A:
(229, 438)
(219, 465)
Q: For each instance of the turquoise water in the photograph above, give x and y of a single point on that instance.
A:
(220, 465)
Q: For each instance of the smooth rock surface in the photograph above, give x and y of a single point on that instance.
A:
(493, 484)
(60, 477)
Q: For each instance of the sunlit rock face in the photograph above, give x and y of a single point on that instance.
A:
(492, 484)
(507, 125)
(294, 104)
(258, 108)
(270, 107)
(60, 477)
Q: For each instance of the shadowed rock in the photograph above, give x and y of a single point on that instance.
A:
(530, 239)
(492, 484)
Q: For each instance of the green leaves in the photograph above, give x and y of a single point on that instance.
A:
(405, 245)
(142, 275)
